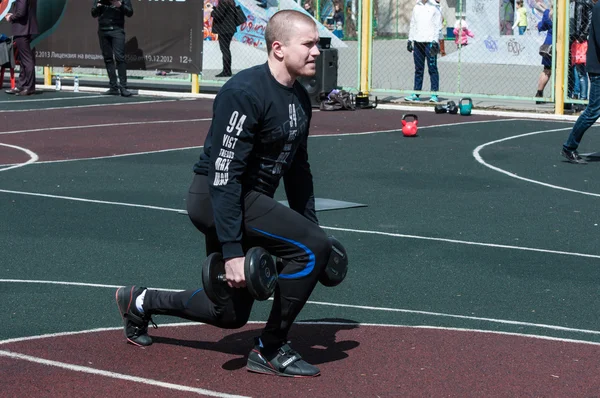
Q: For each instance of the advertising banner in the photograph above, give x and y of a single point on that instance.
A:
(165, 34)
(252, 33)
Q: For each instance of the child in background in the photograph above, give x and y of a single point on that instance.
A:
(462, 33)
(521, 19)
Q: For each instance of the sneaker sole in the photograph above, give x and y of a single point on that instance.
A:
(122, 301)
(255, 367)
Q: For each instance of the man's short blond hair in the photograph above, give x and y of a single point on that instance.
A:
(280, 26)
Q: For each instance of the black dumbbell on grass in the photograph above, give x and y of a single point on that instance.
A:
(259, 270)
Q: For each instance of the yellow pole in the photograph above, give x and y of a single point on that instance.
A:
(366, 35)
(561, 40)
(47, 75)
(195, 84)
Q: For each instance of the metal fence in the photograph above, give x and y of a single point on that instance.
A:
(497, 62)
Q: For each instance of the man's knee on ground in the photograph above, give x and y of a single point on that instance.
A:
(229, 318)
(233, 322)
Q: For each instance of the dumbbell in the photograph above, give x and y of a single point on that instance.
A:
(440, 109)
(337, 266)
(450, 107)
(259, 271)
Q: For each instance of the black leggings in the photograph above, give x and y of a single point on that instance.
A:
(302, 244)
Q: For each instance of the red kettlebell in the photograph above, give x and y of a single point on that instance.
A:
(409, 129)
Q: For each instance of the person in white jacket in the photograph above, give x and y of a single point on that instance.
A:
(425, 28)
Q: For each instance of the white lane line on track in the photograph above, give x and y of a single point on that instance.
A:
(465, 242)
(479, 158)
(90, 106)
(113, 375)
(356, 324)
(106, 202)
(33, 157)
(113, 156)
(92, 126)
(352, 306)
(52, 99)
(446, 240)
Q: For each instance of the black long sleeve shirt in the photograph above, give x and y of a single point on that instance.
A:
(258, 135)
(111, 18)
(224, 19)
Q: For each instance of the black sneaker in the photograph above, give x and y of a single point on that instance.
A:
(283, 362)
(539, 102)
(112, 91)
(223, 74)
(125, 92)
(572, 156)
(135, 324)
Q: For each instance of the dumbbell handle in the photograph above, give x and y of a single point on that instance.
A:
(222, 278)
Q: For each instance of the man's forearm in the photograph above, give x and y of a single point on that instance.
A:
(127, 8)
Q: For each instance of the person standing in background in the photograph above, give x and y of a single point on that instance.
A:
(24, 26)
(111, 33)
(521, 19)
(225, 26)
(592, 111)
(423, 42)
(350, 25)
(338, 21)
(581, 19)
(545, 25)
